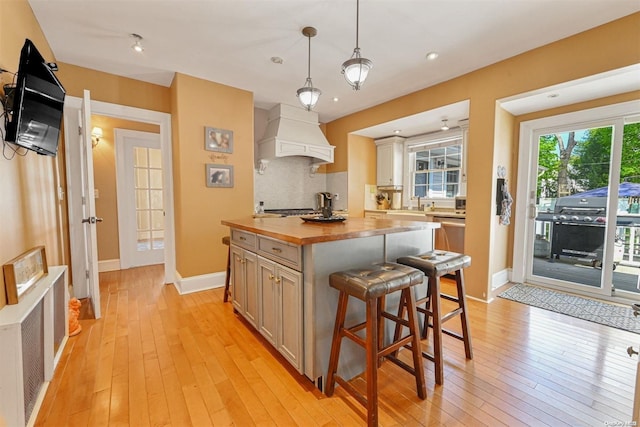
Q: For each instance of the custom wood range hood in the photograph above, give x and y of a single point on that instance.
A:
(293, 131)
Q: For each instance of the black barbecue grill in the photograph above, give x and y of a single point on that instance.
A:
(578, 226)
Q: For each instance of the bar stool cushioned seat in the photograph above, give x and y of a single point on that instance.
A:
(435, 265)
(371, 285)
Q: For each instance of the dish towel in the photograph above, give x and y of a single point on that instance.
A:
(507, 201)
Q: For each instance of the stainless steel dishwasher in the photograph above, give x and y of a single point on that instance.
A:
(450, 235)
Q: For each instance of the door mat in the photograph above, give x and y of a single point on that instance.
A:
(616, 316)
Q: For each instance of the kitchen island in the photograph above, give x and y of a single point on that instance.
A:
(280, 279)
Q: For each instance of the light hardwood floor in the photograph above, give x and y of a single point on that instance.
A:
(158, 358)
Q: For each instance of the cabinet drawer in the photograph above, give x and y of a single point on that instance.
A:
(244, 239)
(281, 252)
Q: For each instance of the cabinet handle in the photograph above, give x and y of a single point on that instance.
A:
(242, 238)
(276, 250)
(277, 280)
(243, 261)
(271, 277)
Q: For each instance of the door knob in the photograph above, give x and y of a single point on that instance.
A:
(91, 220)
(631, 351)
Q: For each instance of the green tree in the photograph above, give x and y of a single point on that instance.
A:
(548, 163)
(565, 149)
(590, 165)
(630, 164)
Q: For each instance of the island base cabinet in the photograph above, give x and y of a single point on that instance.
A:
(245, 284)
(280, 318)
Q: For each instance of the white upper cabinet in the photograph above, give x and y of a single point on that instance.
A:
(390, 153)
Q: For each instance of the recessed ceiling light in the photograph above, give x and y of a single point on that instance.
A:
(397, 131)
(137, 45)
(553, 95)
(277, 60)
(432, 55)
(336, 99)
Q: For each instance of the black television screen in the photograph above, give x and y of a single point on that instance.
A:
(38, 100)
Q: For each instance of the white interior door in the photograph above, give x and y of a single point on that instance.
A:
(139, 178)
(81, 202)
(89, 219)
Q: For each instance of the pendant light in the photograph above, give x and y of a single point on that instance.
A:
(356, 69)
(309, 95)
(444, 126)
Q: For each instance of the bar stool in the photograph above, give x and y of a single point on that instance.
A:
(227, 292)
(371, 285)
(435, 265)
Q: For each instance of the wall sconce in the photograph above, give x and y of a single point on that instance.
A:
(96, 134)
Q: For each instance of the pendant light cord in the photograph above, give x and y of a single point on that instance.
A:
(357, 22)
(309, 59)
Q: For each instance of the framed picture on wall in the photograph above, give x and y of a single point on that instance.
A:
(220, 140)
(219, 176)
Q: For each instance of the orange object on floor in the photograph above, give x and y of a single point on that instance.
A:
(74, 311)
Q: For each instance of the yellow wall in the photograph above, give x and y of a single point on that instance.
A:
(29, 213)
(104, 174)
(501, 247)
(196, 104)
(361, 155)
(595, 51)
(114, 89)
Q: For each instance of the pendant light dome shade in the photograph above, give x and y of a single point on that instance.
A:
(307, 94)
(356, 69)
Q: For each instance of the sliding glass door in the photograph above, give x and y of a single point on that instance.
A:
(581, 223)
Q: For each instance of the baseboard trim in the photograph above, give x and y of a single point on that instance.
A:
(500, 278)
(108, 265)
(187, 285)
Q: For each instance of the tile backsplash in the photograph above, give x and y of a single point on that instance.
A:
(288, 183)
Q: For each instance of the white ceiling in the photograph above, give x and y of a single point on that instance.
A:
(231, 42)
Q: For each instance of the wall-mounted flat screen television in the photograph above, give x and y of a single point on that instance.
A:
(35, 116)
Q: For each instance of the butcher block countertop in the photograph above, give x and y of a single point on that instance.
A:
(295, 230)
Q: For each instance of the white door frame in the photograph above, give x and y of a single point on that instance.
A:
(527, 159)
(163, 120)
(81, 204)
(127, 222)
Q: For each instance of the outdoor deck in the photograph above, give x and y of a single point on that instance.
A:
(572, 270)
